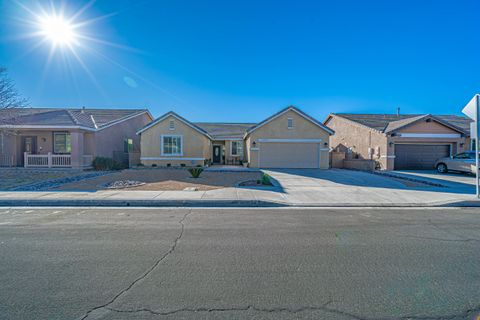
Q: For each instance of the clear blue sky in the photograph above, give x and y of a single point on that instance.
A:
(243, 60)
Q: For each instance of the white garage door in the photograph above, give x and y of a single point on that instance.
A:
(289, 155)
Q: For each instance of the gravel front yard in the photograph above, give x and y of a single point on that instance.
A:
(15, 177)
(164, 179)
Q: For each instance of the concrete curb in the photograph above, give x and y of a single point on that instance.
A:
(217, 203)
(417, 180)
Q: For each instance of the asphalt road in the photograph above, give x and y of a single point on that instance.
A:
(126, 263)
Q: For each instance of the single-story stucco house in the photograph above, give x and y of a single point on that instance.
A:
(47, 137)
(287, 139)
(399, 141)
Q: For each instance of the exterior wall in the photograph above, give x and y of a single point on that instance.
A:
(359, 139)
(277, 129)
(45, 144)
(457, 144)
(195, 145)
(427, 127)
(112, 138)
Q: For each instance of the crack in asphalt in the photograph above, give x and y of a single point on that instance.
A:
(322, 307)
(464, 315)
(146, 273)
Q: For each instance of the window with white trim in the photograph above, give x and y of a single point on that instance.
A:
(62, 143)
(172, 145)
(171, 125)
(236, 148)
(290, 123)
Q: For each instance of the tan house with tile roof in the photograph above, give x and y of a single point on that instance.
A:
(70, 138)
(287, 139)
(399, 141)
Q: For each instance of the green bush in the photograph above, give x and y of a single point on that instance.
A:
(103, 164)
(195, 172)
(266, 180)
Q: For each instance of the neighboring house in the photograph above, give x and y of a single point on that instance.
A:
(287, 139)
(41, 137)
(399, 141)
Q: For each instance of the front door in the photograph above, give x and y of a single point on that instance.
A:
(29, 145)
(217, 154)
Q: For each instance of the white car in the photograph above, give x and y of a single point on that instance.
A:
(464, 162)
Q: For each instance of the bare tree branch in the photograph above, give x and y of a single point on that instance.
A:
(9, 96)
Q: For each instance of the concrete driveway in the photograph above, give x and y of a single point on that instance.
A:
(314, 178)
(313, 186)
(455, 180)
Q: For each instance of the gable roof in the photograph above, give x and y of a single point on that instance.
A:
(89, 119)
(285, 110)
(225, 131)
(173, 114)
(390, 122)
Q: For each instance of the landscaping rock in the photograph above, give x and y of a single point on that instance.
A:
(121, 184)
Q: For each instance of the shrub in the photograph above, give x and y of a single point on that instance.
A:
(154, 165)
(182, 165)
(103, 164)
(266, 180)
(195, 172)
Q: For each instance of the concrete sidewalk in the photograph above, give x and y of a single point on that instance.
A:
(326, 196)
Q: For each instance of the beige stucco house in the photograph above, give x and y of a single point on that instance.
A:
(287, 139)
(68, 138)
(399, 141)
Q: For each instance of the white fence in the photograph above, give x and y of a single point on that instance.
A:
(47, 160)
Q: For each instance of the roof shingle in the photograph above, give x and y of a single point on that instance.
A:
(391, 122)
(89, 118)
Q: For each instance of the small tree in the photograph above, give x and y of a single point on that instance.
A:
(9, 98)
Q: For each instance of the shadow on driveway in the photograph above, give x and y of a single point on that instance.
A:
(311, 179)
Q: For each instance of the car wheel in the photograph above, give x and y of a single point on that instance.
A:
(442, 168)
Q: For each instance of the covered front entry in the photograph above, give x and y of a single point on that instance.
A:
(289, 155)
(419, 156)
(217, 154)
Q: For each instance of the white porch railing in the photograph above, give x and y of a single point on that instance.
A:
(47, 160)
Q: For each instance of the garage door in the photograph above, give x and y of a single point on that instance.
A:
(289, 155)
(419, 156)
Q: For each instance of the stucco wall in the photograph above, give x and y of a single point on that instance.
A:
(195, 144)
(112, 138)
(358, 138)
(427, 127)
(278, 129)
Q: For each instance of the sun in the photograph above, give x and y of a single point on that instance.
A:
(57, 30)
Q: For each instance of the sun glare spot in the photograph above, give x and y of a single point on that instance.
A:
(58, 30)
